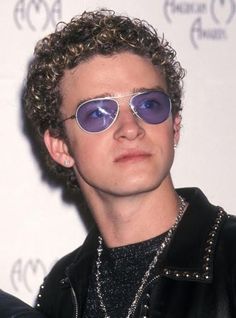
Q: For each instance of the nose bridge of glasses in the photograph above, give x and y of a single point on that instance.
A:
(126, 112)
(124, 101)
(124, 106)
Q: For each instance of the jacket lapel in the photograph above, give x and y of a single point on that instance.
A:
(190, 254)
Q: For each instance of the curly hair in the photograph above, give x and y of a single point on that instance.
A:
(97, 32)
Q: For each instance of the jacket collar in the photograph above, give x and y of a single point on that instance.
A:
(191, 250)
(190, 253)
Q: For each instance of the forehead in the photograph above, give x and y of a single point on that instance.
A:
(114, 75)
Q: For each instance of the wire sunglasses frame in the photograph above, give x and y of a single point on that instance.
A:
(131, 103)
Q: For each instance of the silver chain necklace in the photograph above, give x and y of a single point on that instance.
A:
(164, 244)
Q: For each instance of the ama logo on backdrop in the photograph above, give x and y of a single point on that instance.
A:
(211, 19)
(37, 15)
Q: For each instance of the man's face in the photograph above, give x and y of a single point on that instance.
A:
(131, 156)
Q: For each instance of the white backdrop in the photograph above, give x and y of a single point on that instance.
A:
(37, 227)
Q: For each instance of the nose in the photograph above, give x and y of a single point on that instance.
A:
(128, 125)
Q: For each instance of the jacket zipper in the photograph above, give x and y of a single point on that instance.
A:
(149, 283)
(74, 298)
(75, 302)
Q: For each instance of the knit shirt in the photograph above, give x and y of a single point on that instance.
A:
(122, 269)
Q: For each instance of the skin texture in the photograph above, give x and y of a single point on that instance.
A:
(124, 171)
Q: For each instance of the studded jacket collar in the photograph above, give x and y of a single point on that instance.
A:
(195, 276)
(199, 228)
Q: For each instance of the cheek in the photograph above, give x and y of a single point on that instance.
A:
(163, 134)
(86, 151)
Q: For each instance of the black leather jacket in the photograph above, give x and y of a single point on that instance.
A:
(195, 276)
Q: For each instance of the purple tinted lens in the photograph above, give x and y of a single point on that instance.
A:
(153, 107)
(96, 115)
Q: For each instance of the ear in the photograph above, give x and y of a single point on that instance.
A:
(177, 125)
(58, 150)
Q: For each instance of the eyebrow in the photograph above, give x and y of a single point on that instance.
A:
(135, 90)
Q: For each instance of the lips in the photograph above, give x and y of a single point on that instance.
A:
(132, 156)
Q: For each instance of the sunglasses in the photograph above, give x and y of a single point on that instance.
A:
(98, 114)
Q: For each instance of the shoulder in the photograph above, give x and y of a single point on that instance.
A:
(228, 234)
(48, 298)
(55, 285)
(59, 270)
(226, 246)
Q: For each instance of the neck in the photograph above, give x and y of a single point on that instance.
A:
(124, 220)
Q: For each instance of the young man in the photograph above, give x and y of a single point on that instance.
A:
(104, 91)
